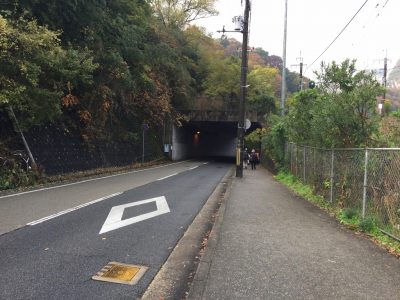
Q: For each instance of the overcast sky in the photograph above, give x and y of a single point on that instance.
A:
(312, 26)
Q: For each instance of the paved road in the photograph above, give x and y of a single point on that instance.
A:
(18, 210)
(55, 259)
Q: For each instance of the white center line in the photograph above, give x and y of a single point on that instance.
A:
(71, 209)
(167, 176)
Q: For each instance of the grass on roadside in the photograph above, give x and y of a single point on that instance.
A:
(350, 217)
(302, 190)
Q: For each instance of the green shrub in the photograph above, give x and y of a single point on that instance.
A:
(367, 224)
(13, 173)
(273, 141)
(350, 213)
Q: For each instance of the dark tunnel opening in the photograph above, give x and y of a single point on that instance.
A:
(207, 140)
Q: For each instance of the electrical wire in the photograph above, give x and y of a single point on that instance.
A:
(334, 40)
(383, 7)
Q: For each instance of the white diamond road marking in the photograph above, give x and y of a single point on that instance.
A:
(114, 219)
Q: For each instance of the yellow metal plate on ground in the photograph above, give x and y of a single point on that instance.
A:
(120, 273)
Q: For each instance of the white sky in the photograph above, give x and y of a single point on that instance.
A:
(312, 26)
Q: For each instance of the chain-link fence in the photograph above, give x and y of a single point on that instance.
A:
(365, 179)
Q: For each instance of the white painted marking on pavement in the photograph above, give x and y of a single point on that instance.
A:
(71, 209)
(114, 218)
(167, 176)
(193, 167)
(88, 180)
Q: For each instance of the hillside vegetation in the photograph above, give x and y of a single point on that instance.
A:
(82, 77)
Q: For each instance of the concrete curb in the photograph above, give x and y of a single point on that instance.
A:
(200, 280)
(172, 279)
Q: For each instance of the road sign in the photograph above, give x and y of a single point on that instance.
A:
(114, 218)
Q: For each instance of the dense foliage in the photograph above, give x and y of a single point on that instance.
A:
(104, 68)
(36, 69)
(340, 112)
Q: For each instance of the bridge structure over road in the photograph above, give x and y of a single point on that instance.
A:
(206, 134)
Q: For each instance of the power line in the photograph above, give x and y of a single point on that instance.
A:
(378, 8)
(334, 40)
(383, 7)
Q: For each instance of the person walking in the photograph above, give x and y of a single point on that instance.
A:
(245, 158)
(253, 159)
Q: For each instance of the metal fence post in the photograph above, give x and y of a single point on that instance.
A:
(296, 160)
(291, 158)
(364, 203)
(304, 164)
(315, 163)
(332, 173)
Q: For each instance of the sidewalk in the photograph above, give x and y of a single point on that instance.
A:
(270, 244)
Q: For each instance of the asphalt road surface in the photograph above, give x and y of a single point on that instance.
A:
(57, 253)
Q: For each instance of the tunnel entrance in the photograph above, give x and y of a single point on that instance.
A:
(206, 140)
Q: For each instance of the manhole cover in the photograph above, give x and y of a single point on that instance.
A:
(120, 273)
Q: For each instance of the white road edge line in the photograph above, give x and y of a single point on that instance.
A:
(193, 168)
(71, 209)
(88, 180)
(167, 176)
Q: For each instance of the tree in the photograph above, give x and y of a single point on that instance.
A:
(223, 81)
(131, 54)
(263, 54)
(179, 13)
(274, 139)
(232, 47)
(253, 139)
(389, 131)
(394, 75)
(275, 61)
(300, 117)
(36, 69)
(262, 89)
(292, 81)
(341, 112)
(255, 59)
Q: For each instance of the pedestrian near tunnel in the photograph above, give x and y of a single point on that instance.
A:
(253, 159)
(245, 158)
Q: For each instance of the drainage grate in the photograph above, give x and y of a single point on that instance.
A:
(120, 273)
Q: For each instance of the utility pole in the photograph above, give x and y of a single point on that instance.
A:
(242, 26)
(243, 91)
(283, 85)
(301, 65)
(384, 76)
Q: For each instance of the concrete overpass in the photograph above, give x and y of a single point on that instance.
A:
(208, 134)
